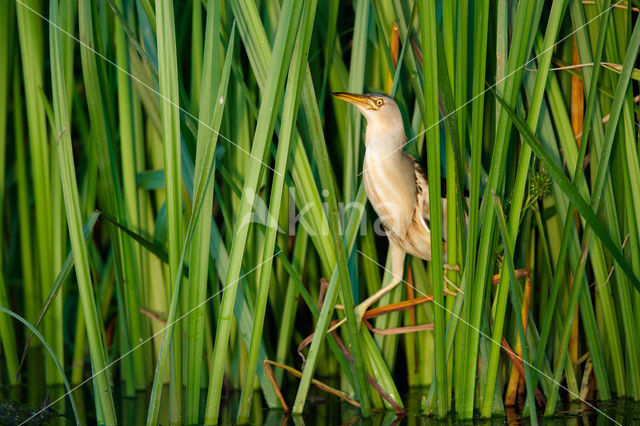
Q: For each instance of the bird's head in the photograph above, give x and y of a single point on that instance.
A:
(374, 106)
(382, 113)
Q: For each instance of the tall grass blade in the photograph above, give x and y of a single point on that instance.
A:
(72, 208)
(480, 35)
(571, 191)
(527, 18)
(515, 299)
(289, 113)
(6, 45)
(168, 85)
(110, 191)
(428, 28)
(544, 61)
(327, 180)
(271, 99)
(324, 317)
(172, 318)
(211, 110)
(131, 208)
(31, 291)
(591, 111)
(357, 68)
(197, 152)
(32, 53)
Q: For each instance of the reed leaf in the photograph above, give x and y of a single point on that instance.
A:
(544, 61)
(515, 299)
(228, 188)
(431, 117)
(266, 120)
(32, 52)
(572, 192)
(6, 39)
(211, 109)
(527, 18)
(289, 113)
(72, 208)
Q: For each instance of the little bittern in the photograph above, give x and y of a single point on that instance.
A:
(395, 185)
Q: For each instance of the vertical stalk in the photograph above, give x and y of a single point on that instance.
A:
(597, 193)
(168, 83)
(544, 62)
(289, 114)
(515, 300)
(6, 41)
(196, 55)
(481, 29)
(568, 221)
(357, 71)
(291, 301)
(128, 154)
(461, 84)
(72, 207)
(428, 31)
(31, 47)
(266, 120)
(110, 190)
(31, 291)
(211, 109)
(528, 16)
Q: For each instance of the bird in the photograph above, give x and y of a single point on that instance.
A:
(396, 187)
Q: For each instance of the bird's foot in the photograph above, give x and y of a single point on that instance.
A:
(457, 289)
(447, 281)
(361, 309)
(448, 267)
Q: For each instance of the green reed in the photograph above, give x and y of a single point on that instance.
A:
(226, 177)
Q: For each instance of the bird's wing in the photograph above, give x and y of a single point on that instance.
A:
(422, 193)
(422, 214)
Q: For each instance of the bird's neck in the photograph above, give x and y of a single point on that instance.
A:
(383, 157)
(383, 154)
(385, 140)
(382, 161)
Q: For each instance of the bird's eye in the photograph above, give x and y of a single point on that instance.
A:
(379, 102)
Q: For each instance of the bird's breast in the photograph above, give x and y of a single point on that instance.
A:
(390, 187)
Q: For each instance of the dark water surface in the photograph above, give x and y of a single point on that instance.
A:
(320, 410)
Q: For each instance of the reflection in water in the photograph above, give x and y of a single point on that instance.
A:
(321, 409)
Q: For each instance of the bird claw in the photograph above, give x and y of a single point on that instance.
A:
(449, 282)
(361, 309)
(452, 267)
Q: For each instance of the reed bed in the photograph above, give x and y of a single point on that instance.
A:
(182, 204)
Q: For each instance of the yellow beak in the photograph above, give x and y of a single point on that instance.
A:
(357, 100)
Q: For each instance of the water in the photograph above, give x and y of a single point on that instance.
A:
(321, 409)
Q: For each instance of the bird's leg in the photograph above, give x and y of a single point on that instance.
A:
(456, 268)
(455, 290)
(397, 269)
